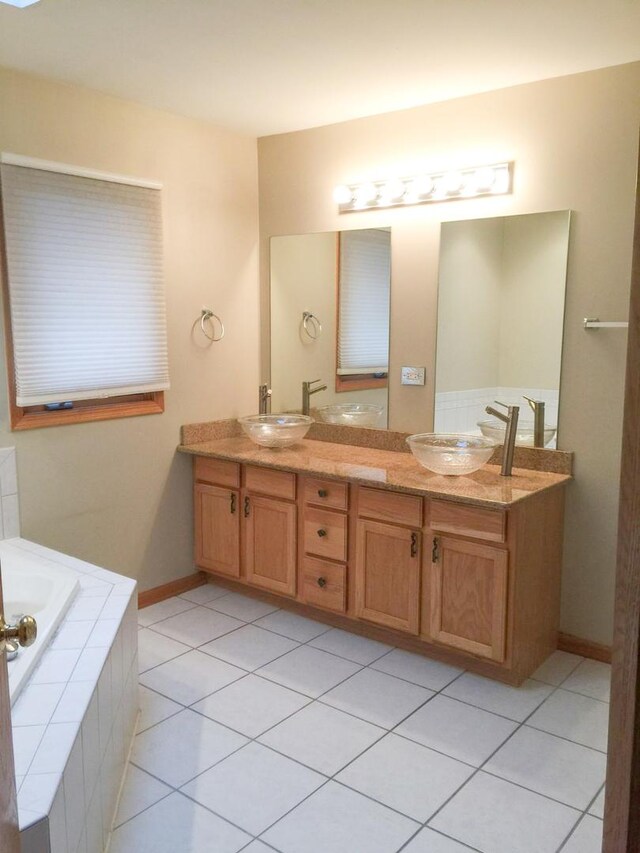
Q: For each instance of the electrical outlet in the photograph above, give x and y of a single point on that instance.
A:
(413, 375)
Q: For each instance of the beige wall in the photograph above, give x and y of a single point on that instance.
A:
(469, 284)
(575, 143)
(501, 292)
(303, 278)
(116, 493)
(532, 295)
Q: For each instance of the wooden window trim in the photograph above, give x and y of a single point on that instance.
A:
(356, 381)
(35, 417)
(360, 382)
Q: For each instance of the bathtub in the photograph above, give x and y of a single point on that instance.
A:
(35, 588)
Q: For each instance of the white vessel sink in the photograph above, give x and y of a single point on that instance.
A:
(451, 454)
(524, 434)
(351, 414)
(275, 431)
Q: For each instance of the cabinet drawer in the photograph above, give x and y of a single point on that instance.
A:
(324, 584)
(325, 493)
(473, 521)
(325, 533)
(220, 472)
(267, 481)
(390, 506)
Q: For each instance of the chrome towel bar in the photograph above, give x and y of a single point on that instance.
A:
(594, 323)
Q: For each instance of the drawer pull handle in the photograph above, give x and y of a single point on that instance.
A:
(434, 551)
(322, 493)
(247, 507)
(322, 533)
(414, 544)
(233, 503)
(322, 582)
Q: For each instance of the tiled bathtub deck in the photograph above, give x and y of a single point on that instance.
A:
(258, 724)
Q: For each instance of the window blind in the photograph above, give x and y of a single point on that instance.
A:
(84, 259)
(365, 276)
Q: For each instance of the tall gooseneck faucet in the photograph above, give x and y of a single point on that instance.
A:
(264, 399)
(307, 391)
(537, 406)
(511, 420)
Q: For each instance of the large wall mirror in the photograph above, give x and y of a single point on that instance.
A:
(501, 296)
(330, 322)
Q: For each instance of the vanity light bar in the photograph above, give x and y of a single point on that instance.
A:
(496, 179)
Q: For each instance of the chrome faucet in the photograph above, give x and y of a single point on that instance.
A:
(511, 420)
(307, 391)
(537, 406)
(264, 399)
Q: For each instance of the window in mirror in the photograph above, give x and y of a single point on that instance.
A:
(501, 297)
(364, 278)
(305, 272)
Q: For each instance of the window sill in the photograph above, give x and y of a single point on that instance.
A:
(24, 418)
(360, 382)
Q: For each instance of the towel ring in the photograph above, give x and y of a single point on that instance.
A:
(208, 316)
(310, 321)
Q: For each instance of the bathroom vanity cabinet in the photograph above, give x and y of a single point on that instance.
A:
(468, 583)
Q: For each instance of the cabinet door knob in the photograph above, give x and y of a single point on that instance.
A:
(322, 582)
(233, 503)
(247, 507)
(322, 493)
(322, 533)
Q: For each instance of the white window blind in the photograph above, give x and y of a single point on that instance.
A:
(84, 258)
(365, 277)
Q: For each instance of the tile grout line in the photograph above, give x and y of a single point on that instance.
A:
(386, 731)
(81, 649)
(480, 768)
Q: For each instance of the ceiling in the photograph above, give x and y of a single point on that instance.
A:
(269, 66)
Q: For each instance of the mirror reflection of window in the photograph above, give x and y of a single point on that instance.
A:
(305, 277)
(364, 279)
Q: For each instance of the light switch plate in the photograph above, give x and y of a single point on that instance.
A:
(413, 375)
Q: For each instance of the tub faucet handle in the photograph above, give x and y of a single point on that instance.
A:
(25, 632)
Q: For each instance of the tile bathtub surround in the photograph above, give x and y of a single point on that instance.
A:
(71, 753)
(340, 745)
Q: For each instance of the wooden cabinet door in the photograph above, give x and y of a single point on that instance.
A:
(388, 575)
(270, 531)
(469, 596)
(217, 529)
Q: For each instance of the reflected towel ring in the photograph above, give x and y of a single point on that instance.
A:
(310, 320)
(208, 316)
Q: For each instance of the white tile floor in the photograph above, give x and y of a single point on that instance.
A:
(257, 722)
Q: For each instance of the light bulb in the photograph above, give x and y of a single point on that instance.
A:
(423, 185)
(391, 193)
(366, 194)
(483, 179)
(501, 180)
(452, 183)
(342, 194)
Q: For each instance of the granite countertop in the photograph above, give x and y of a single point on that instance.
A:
(386, 469)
